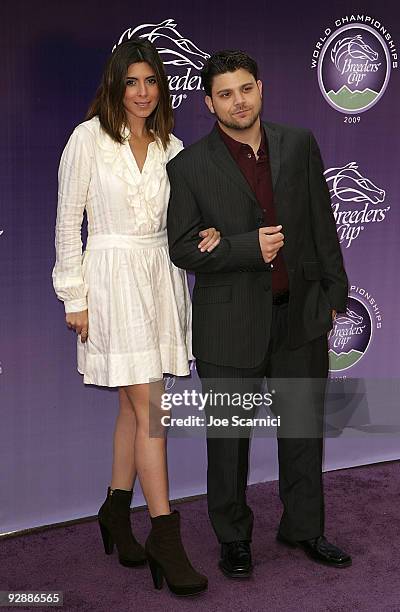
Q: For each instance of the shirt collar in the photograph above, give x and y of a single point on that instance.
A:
(235, 147)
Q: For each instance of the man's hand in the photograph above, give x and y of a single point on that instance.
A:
(211, 239)
(79, 322)
(271, 240)
(333, 315)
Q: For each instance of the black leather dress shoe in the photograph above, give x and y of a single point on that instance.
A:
(320, 550)
(236, 559)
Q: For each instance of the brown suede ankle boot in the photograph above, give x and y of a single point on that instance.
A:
(115, 527)
(167, 557)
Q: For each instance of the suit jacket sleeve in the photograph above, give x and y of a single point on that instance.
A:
(236, 253)
(334, 278)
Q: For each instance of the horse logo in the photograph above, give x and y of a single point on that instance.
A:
(348, 185)
(351, 47)
(349, 318)
(174, 49)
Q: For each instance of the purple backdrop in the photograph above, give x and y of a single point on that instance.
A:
(56, 434)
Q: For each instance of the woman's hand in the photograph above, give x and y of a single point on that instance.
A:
(211, 239)
(79, 322)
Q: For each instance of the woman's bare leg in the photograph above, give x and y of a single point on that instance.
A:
(123, 468)
(150, 452)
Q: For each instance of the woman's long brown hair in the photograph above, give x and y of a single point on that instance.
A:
(108, 102)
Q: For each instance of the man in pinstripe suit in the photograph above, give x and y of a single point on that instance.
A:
(263, 300)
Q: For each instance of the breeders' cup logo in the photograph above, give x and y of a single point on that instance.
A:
(176, 52)
(354, 69)
(352, 332)
(347, 185)
(354, 64)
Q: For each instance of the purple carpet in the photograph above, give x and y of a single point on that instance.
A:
(362, 516)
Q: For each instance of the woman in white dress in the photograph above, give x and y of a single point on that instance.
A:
(128, 303)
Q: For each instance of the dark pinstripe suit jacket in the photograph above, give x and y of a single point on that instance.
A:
(232, 300)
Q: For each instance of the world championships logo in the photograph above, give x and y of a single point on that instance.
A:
(353, 331)
(181, 57)
(354, 63)
(355, 201)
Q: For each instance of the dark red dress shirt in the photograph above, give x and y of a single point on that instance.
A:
(258, 174)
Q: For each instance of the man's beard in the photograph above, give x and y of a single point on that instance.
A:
(235, 126)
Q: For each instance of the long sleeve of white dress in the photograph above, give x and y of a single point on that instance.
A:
(73, 183)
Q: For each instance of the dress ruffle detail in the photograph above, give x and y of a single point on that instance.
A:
(142, 187)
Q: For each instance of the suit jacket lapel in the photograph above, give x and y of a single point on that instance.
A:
(220, 155)
(273, 139)
(223, 159)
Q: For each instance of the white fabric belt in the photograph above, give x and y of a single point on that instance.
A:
(125, 241)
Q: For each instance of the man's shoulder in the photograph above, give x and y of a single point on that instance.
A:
(287, 130)
(190, 154)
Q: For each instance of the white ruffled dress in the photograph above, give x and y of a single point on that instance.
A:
(138, 301)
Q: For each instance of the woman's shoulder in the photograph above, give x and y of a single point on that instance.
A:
(175, 140)
(88, 129)
(86, 136)
(174, 147)
(81, 139)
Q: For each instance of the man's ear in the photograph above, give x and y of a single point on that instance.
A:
(209, 104)
(260, 86)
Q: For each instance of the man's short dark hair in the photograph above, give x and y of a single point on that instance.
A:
(226, 61)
